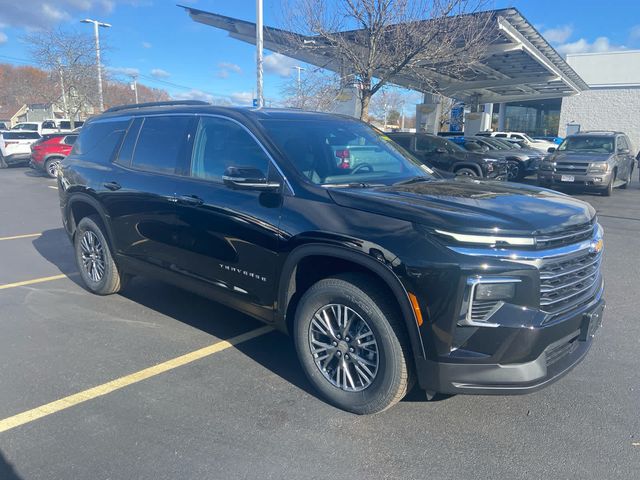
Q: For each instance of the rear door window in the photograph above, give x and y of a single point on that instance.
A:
(162, 144)
(20, 135)
(100, 139)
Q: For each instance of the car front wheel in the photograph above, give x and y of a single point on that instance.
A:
(352, 343)
(51, 167)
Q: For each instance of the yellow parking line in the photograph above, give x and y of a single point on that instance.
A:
(86, 395)
(16, 237)
(31, 282)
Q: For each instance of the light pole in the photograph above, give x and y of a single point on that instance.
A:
(96, 25)
(134, 86)
(259, 41)
(299, 69)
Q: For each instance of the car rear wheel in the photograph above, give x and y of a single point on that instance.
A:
(51, 167)
(95, 261)
(352, 343)
(467, 172)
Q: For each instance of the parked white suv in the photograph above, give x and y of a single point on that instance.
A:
(15, 146)
(48, 126)
(542, 145)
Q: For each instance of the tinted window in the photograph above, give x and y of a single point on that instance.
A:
(20, 135)
(501, 135)
(48, 124)
(622, 144)
(100, 139)
(403, 141)
(70, 139)
(26, 126)
(126, 150)
(426, 143)
(162, 144)
(336, 151)
(220, 144)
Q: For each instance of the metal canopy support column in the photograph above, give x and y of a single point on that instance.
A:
(502, 117)
(428, 114)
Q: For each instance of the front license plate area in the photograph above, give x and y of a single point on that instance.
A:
(591, 322)
(567, 178)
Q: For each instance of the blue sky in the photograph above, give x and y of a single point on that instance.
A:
(158, 40)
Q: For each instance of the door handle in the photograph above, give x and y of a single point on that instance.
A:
(190, 200)
(113, 186)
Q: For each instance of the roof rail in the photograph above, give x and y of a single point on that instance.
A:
(155, 104)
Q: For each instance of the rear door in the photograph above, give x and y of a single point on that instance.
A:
(140, 190)
(625, 159)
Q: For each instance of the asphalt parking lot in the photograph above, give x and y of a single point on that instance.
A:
(165, 397)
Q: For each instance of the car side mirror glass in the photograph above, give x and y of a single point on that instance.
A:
(551, 149)
(623, 150)
(247, 178)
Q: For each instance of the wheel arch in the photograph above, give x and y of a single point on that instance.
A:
(291, 286)
(81, 205)
(474, 166)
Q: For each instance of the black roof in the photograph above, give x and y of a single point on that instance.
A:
(203, 107)
(598, 133)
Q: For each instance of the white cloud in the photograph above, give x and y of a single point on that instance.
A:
(3, 38)
(600, 44)
(558, 34)
(39, 14)
(129, 71)
(278, 64)
(146, 45)
(242, 98)
(195, 94)
(232, 67)
(160, 73)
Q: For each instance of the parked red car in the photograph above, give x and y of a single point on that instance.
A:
(48, 152)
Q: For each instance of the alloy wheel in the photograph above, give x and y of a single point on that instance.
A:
(513, 170)
(93, 260)
(53, 168)
(343, 347)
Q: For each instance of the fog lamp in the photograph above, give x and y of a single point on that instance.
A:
(494, 291)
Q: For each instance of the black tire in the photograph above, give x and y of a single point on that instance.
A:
(373, 304)
(111, 280)
(467, 172)
(608, 190)
(50, 166)
(626, 184)
(515, 171)
(3, 164)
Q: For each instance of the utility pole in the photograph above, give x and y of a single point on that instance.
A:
(134, 86)
(96, 25)
(299, 69)
(259, 42)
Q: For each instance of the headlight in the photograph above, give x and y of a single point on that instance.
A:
(487, 240)
(598, 167)
(547, 165)
(490, 163)
(484, 296)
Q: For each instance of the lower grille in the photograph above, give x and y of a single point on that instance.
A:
(560, 351)
(481, 309)
(568, 282)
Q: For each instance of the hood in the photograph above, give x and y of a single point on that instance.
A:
(467, 205)
(580, 157)
(476, 156)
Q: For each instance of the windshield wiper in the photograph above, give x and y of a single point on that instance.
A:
(414, 180)
(353, 185)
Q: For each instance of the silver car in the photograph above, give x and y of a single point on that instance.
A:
(595, 160)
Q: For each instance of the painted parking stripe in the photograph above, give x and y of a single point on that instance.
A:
(33, 281)
(86, 395)
(53, 186)
(17, 237)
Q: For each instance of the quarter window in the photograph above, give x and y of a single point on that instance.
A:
(222, 143)
(100, 139)
(162, 144)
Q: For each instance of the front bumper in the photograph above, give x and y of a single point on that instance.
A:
(547, 352)
(548, 177)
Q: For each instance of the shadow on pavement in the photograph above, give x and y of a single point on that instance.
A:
(6, 470)
(55, 247)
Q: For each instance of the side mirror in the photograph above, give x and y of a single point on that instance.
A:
(440, 150)
(248, 178)
(623, 151)
(551, 149)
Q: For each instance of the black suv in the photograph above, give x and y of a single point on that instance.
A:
(381, 271)
(450, 157)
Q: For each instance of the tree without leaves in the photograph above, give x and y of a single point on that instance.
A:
(317, 91)
(70, 59)
(378, 40)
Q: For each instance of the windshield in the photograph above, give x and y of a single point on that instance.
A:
(492, 143)
(340, 152)
(587, 144)
(26, 126)
(503, 144)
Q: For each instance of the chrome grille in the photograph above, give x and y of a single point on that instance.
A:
(579, 168)
(568, 282)
(566, 237)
